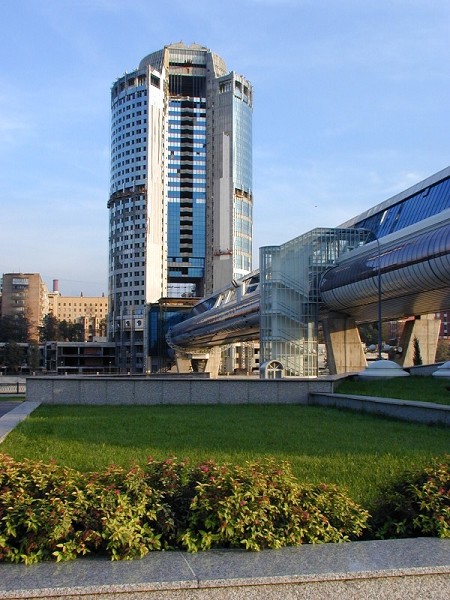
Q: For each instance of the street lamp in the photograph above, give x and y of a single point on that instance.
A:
(379, 292)
(381, 369)
(380, 341)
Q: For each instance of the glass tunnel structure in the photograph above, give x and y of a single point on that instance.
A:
(279, 305)
(401, 247)
(414, 266)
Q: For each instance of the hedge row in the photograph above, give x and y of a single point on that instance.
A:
(52, 512)
(48, 511)
(416, 505)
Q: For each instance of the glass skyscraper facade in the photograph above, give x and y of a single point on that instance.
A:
(186, 209)
(181, 198)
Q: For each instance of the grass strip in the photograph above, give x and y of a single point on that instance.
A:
(324, 445)
(9, 398)
(422, 389)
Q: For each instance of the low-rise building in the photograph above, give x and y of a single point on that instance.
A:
(26, 294)
(89, 311)
(80, 358)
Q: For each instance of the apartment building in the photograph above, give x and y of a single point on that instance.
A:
(27, 295)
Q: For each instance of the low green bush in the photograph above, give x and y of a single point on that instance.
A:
(36, 509)
(51, 512)
(262, 506)
(417, 504)
(48, 511)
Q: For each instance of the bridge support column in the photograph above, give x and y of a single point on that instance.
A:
(426, 329)
(207, 361)
(183, 363)
(213, 363)
(344, 349)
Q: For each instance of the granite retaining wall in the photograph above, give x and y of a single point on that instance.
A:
(136, 390)
(420, 412)
(190, 391)
(383, 570)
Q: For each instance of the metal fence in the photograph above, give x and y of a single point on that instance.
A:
(12, 388)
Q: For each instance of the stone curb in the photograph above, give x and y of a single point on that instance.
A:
(15, 416)
(411, 568)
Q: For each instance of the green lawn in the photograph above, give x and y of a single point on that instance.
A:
(360, 452)
(424, 389)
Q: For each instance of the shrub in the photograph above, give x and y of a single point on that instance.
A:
(125, 512)
(47, 511)
(51, 512)
(418, 504)
(36, 512)
(262, 506)
(175, 481)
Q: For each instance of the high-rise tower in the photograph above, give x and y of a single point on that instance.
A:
(181, 198)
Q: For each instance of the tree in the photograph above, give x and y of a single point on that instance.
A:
(33, 357)
(442, 351)
(368, 333)
(102, 328)
(70, 332)
(417, 358)
(13, 356)
(14, 328)
(77, 332)
(49, 330)
(60, 331)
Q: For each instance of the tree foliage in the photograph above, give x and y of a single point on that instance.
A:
(60, 331)
(49, 328)
(71, 332)
(14, 328)
(443, 351)
(13, 356)
(33, 357)
(368, 333)
(417, 357)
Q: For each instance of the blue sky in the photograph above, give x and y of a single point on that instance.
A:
(351, 106)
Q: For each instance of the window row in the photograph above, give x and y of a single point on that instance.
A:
(200, 135)
(128, 98)
(127, 135)
(425, 203)
(174, 170)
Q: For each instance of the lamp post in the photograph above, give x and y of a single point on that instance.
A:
(379, 292)
(380, 341)
(381, 369)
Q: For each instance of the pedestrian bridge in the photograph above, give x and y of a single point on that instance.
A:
(333, 277)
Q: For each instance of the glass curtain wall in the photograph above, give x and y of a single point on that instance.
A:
(242, 168)
(427, 202)
(186, 195)
(289, 290)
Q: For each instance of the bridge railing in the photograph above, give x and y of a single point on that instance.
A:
(12, 388)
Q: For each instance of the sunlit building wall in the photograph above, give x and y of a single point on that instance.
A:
(90, 312)
(25, 295)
